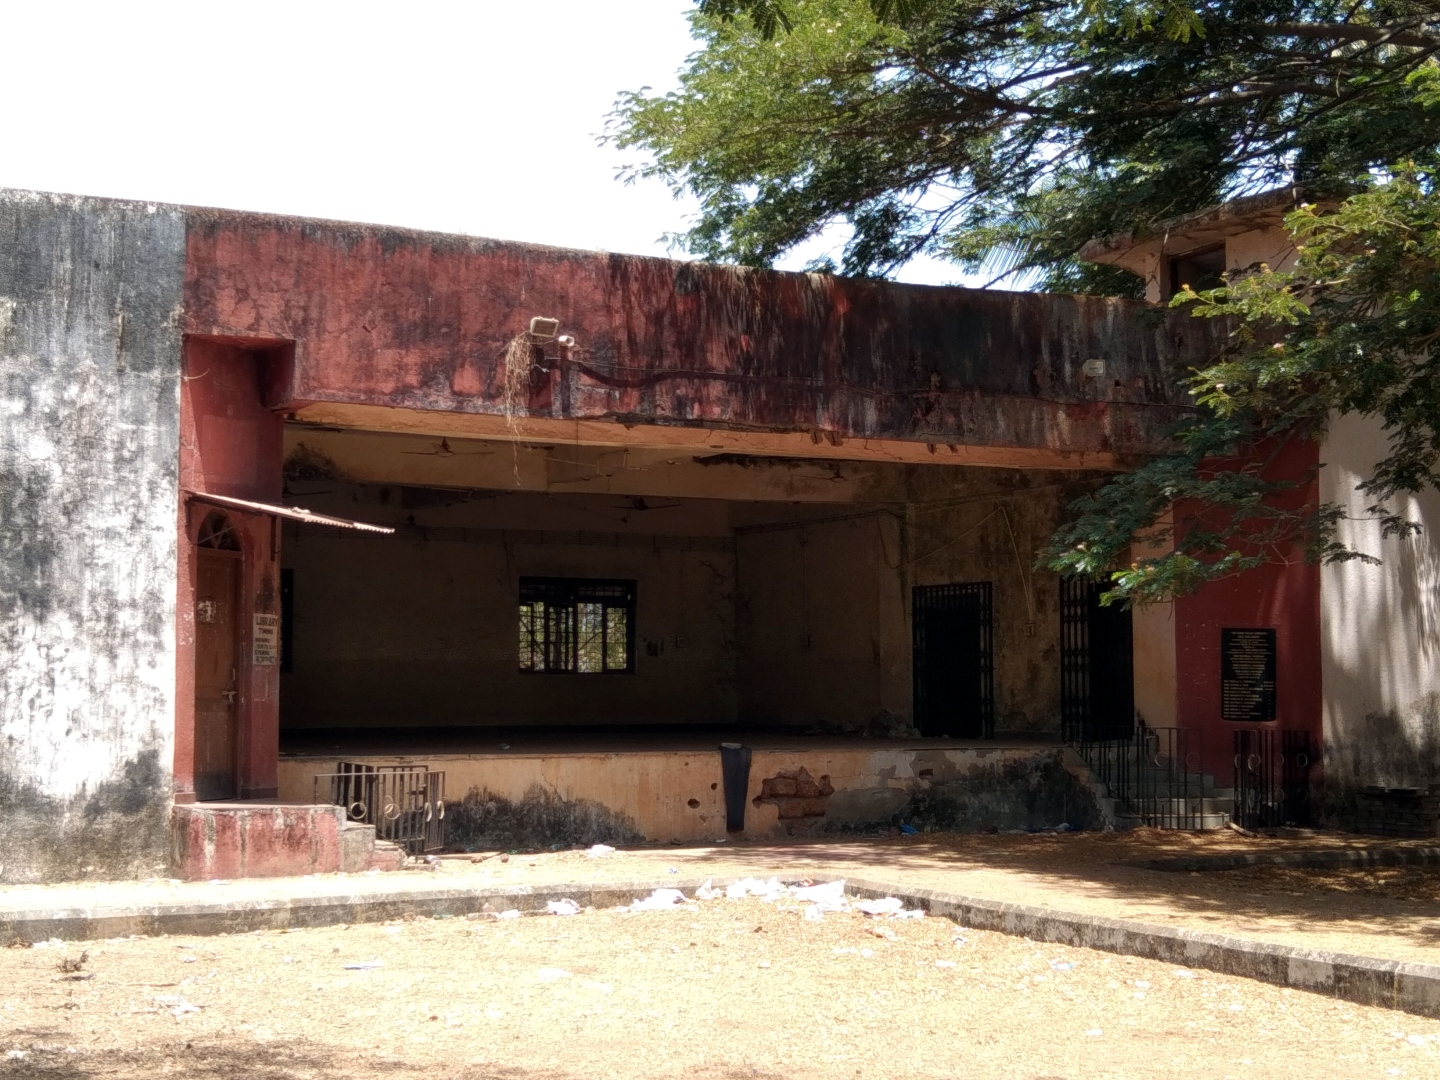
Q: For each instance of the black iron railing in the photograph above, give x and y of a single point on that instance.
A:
(405, 803)
(1154, 774)
(1272, 777)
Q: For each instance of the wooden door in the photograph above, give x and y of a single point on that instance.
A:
(216, 674)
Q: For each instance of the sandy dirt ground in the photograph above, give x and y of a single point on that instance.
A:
(1392, 913)
(721, 989)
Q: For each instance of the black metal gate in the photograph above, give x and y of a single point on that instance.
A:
(953, 660)
(1272, 777)
(405, 803)
(1097, 683)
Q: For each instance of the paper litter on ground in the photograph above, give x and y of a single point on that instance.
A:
(660, 900)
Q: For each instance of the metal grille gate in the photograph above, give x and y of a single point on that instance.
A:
(954, 669)
(1154, 774)
(1097, 685)
(1272, 777)
(405, 803)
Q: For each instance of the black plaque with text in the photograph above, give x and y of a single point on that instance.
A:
(1247, 674)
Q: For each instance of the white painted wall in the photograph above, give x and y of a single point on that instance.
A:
(1380, 630)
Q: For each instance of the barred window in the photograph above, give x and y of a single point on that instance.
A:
(577, 625)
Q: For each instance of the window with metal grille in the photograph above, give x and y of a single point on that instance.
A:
(953, 660)
(577, 625)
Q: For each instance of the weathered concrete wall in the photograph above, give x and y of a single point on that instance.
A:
(420, 628)
(821, 615)
(1380, 633)
(988, 527)
(499, 800)
(393, 319)
(90, 295)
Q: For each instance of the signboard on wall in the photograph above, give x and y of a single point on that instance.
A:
(1247, 674)
(265, 642)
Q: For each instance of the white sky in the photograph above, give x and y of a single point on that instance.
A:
(477, 117)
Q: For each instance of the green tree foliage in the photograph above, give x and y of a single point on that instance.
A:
(1353, 327)
(1004, 134)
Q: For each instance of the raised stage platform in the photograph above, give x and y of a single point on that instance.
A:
(518, 789)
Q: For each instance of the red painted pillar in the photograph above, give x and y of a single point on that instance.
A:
(230, 444)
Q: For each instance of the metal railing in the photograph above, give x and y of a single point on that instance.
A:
(405, 803)
(1154, 774)
(1272, 777)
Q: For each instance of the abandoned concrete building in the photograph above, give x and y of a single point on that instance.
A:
(313, 530)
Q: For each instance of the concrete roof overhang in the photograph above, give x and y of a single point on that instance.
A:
(1192, 232)
(397, 330)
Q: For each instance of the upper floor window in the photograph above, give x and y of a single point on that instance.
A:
(577, 625)
(1201, 270)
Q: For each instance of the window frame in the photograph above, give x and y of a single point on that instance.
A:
(560, 653)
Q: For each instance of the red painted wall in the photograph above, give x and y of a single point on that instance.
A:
(391, 317)
(230, 444)
(1286, 597)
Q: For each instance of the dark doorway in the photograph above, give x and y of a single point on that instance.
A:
(954, 670)
(1097, 682)
(216, 636)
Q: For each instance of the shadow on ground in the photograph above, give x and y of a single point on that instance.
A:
(1097, 865)
(279, 1059)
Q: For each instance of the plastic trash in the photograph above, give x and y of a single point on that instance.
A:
(1061, 965)
(888, 905)
(660, 900)
(563, 907)
(1094, 1033)
(595, 851)
(909, 913)
(1064, 826)
(813, 913)
(509, 914)
(552, 974)
(672, 870)
(705, 892)
(765, 890)
(828, 897)
(177, 1005)
(909, 830)
(365, 965)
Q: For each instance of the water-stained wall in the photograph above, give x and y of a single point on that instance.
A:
(90, 295)
(389, 319)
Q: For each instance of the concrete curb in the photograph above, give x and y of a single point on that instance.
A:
(1428, 856)
(1365, 980)
(1391, 984)
(306, 910)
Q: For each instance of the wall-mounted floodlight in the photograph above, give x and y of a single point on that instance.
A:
(543, 329)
